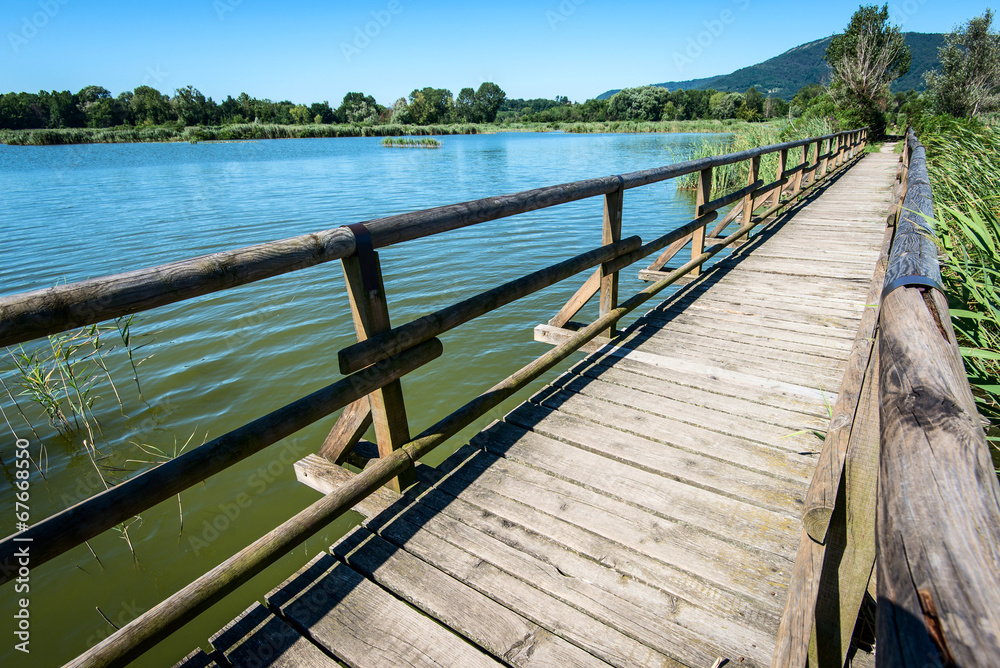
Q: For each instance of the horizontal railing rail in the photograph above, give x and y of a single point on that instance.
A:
(938, 516)
(370, 393)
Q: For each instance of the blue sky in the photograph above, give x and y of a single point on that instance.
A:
(313, 51)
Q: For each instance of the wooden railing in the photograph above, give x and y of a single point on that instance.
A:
(905, 503)
(370, 394)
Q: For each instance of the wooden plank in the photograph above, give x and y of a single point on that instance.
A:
(500, 558)
(348, 430)
(720, 477)
(364, 625)
(737, 521)
(653, 276)
(785, 414)
(668, 253)
(323, 476)
(196, 659)
(433, 535)
(728, 423)
(694, 367)
(534, 514)
(495, 628)
(258, 638)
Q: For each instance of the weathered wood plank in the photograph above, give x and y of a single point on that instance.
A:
(258, 638)
(738, 522)
(347, 431)
(721, 477)
(489, 625)
(364, 625)
(196, 659)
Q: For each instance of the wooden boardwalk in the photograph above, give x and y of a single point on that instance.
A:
(641, 510)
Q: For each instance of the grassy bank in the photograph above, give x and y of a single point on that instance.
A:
(249, 131)
(965, 178)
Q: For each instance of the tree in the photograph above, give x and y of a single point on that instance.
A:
(865, 59)
(644, 103)
(752, 106)
(401, 113)
(488, 100)
(322, 111)
(970, 70)
(358, 108)
(149, 106)
(430, 105)
(190, 106)
(465, 106)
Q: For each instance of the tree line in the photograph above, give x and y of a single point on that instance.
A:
(96, 107)
(864, 60)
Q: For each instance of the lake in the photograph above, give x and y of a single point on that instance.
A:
(209, 365)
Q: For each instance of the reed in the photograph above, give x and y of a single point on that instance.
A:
(751, 135)
(961, 161)
(409, 142)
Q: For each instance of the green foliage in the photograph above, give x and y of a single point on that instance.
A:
(358, 108)
(964, 177)
(638, 104)
(968, 82)
(865, 59)
(428, 106)
(751, 135)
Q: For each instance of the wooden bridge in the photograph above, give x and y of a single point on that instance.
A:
(701, 490)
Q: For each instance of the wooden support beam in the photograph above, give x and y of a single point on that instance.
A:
(668, 254)
(348, 430)
(579, 299)
(370, 311)
(611, 233)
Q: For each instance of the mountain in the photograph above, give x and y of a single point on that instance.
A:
(782, 76)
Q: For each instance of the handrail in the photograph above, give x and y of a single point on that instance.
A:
(52, 310)
(937, 506)
(938, 516)
(387, 354)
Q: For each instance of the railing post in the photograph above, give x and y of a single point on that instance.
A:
(802, 172)
(748, 201)
(704, 196)
(782, 162)
(370, 312)
(612, 232)
(823, 164)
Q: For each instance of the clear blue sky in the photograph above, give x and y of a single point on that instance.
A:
(313, 51)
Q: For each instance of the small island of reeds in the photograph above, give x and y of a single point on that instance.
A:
(408, 142)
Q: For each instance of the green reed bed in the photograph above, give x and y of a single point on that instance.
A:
(751, 135)
(961, 161)
(409, 142)
(255, 131)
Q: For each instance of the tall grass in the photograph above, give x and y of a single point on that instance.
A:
(254, 131)
(961, 161)
(751, 135)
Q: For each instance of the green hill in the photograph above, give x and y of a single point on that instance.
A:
(782, 76)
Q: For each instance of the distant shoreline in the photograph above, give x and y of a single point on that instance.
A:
(258, 131)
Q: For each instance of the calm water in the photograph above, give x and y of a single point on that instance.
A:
(214, 363)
